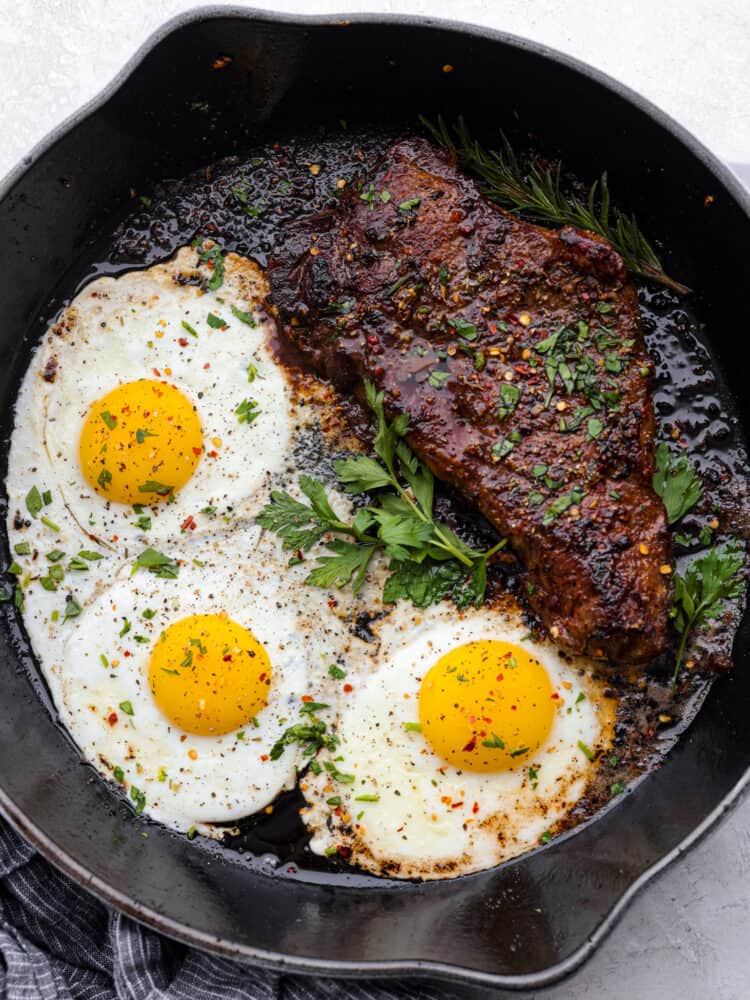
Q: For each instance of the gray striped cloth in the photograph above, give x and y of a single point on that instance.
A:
(59, 943)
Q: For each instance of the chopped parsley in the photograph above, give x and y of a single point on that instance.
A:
(248, 411)
(463, 329)
(34, 502)
(510, 395)
(214, 257)
(139, 799)
(157, 563)
(244, 317)
(495, 743)
(437, 379)
(502, 448)
(560, 505)
(72, 609)
(409, 204)
(153, 486)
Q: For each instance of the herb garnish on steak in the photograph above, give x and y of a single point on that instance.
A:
(518, 354)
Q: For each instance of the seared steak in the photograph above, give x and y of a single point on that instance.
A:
(518, 354)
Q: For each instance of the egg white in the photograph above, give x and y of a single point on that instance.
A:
(430, 819)
(97, 669)
(119, 330)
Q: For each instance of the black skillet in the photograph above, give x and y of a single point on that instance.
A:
(526, 923)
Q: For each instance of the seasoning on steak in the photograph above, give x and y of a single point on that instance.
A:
(518, 354)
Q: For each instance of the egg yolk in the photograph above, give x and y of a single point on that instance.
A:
(486, 706)
(141, 442)
(209, 675)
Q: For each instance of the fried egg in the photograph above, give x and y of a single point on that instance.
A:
(155, 403)
(461, 749)
(180, 688)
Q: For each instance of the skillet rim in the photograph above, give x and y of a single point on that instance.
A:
(277, 961)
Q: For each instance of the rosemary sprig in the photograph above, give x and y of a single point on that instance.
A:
(538, 193)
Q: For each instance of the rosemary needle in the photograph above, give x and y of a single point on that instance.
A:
(537, 192)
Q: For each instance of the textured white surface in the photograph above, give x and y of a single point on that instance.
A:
(686, 935)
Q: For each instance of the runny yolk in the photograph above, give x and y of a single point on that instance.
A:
(141, 442)
(209, 675)
(486, 706)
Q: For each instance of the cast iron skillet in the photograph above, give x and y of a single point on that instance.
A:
(526, 923)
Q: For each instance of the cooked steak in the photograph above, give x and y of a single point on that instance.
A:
(518, 354)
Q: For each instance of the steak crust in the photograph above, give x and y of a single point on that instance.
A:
(519, 356)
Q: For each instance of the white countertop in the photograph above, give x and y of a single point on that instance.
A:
(686, 936)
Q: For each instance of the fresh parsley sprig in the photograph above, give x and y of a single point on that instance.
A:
(537, 192)
(677, 482)
(700, 594)
(428, 561)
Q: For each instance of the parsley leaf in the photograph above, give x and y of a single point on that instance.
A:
(215, 258)
(157, 563)
(700, 594)
(510, 395)
(428, 561)
(248, 411)
(152, 486)
(350, 562)
(34, 502)
(677, 482)
(243, 317)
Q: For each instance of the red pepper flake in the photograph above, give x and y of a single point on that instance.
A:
(307, 697)
(156, 372)
(372, 339)
(513, 708)
(112, 718)
(555, 696)
(456, 805)
(115, 538)
(344, 851)
(183, 341)
(213, 454)
(499, 677)
(264, 757)
(348, 688)
(197, 451)
(206, 366)
(471, 745)
(127, 653)
(475, 808)
(183, 737)
(188, 523)
(227, 658)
